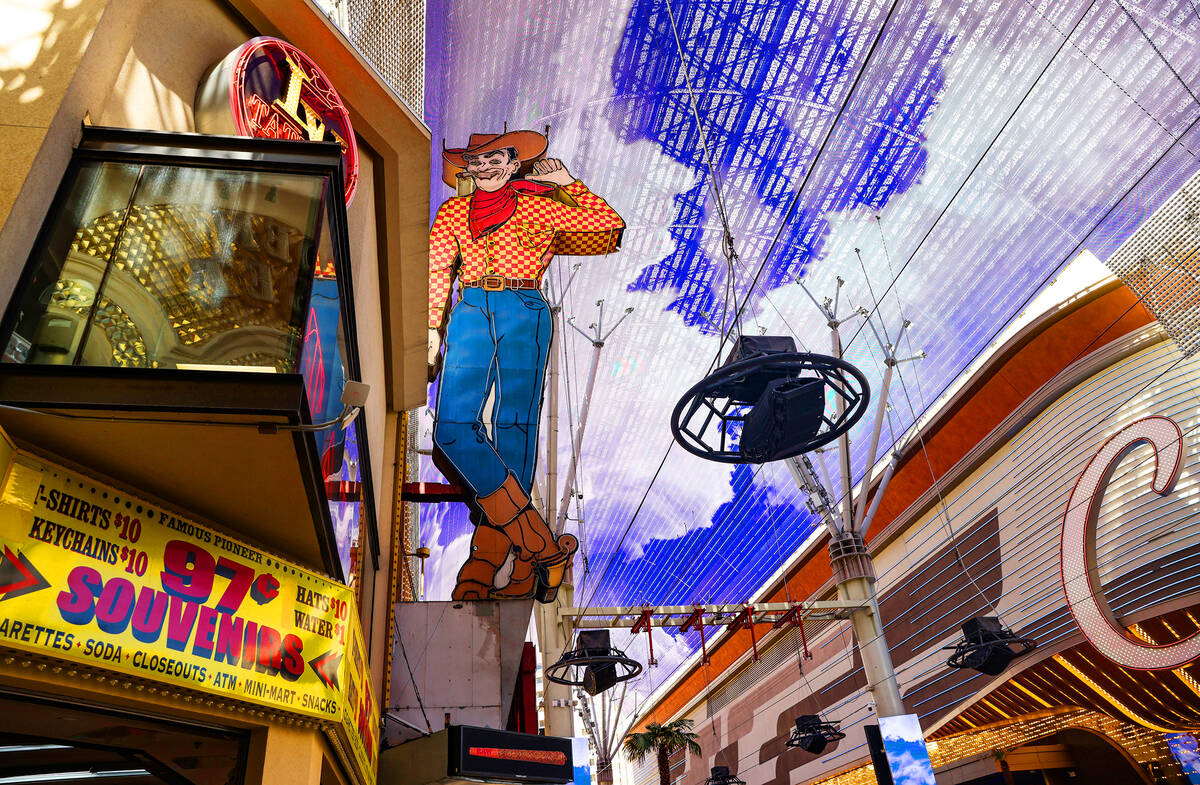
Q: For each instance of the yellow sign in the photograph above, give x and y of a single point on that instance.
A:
(93, 575)
(360, 712)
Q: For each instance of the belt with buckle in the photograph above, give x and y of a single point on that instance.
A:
(498, 283)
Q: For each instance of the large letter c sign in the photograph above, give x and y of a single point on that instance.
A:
(1080, 577)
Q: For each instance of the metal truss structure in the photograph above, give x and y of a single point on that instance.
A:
(777, 614)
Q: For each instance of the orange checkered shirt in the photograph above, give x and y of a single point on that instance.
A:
(522, 246)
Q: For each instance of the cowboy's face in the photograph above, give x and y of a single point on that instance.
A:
(493, 169)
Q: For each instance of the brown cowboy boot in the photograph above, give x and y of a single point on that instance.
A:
(489, 551)
(521, 585)
(509, 508)
(551, 575)
(477, 576)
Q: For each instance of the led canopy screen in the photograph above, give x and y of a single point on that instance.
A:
(943, 160)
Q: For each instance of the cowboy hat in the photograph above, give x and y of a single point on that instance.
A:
(530, 146)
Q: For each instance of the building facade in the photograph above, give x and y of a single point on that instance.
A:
(987, 515)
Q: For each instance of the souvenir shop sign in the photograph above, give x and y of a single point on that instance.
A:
(360, 712)
(96, 576)
(268, 88)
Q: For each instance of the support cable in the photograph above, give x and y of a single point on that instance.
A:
(849, 653)
(1158, 52)
(727, 244)
(397, 638)
(1176, 139)
(1107, 76)
(783, 224)
(979, 161)
(1115, 409)
(808, 173)
(936, 480)
(792, 207)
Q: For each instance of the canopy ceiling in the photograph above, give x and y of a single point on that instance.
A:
(943, 159)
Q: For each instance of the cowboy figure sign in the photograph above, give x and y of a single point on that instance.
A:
(497, 241)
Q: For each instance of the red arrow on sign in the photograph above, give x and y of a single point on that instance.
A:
(18, 576)
(326, 667)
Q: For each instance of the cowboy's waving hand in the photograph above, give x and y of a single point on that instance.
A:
(551, 170)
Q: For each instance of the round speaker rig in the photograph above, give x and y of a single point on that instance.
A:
(813, 734)
(593, 664)
(719, 775)
(768, 402)
(987, 646)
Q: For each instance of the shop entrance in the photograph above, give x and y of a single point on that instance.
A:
(1071, 756)
(44, 742)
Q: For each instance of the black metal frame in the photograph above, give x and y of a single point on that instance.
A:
(561, 671)
(805, 727)
(969, 647)
(707, 397)
(206, 151)
(720, 775)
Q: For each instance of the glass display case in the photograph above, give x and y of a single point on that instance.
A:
(195, 257)
(188, 267)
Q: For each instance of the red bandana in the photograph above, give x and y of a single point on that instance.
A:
(490, 209)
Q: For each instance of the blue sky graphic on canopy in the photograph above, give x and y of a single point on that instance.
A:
(906, 752)
(755, 65)
(979, 151)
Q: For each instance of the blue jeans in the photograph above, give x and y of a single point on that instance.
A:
(496, 342)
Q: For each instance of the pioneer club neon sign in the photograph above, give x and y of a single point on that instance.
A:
(1080, 576)
(268, 88)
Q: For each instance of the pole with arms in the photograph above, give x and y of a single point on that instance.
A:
(853, 569)
(597, 339)
(551, 635)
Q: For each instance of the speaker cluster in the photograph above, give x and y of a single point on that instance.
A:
(813, 734)
(987, 646)
(593, 664)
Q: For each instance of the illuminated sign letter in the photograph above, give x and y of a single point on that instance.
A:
(1080, 577)
(268, 88)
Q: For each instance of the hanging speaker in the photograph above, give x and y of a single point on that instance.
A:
(598, 678)
(991, 660)
(748, 387)
(767, 403)
(987, 647)
(786, 416)
(813, 734)
(812, 742)
(593, 664)
(720, 776)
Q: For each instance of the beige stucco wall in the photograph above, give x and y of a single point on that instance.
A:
(381, 422)
(364, 249)
(57, 61)
(174, 43)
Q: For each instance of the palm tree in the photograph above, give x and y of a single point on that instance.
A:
(1002, 764)
(662, 740)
